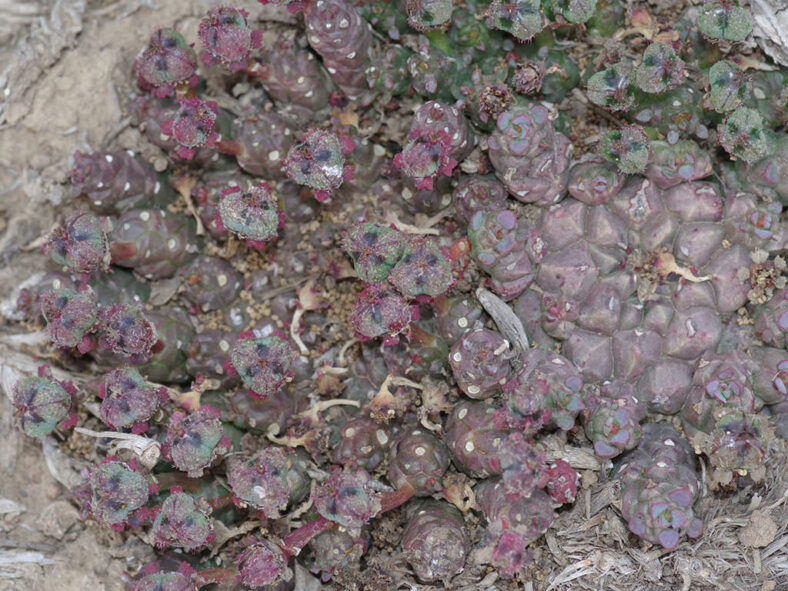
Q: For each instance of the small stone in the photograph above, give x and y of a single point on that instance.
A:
(759, 532)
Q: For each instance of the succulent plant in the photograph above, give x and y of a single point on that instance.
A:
(677, 163)
(546, 381)
(729, 86)
(434, 541)
(291, 75)
(522, 18)
(743, 135)
(474, 193)
(318, 162)
(263, 564)
(473, 434)
(501, 245)
(348, 182)
(724, 19)
(529, 156)
(575, 11)
(80, 243)
(166, 63)
(660, 70)
(152, 243)
(627, 147)
(271, 480)
(70, 316)
(418, 460)
(113, 491)
(363, 444)
(423, 270)
(336, 549)
(374, 249)
(344, 40)
(659, 487)
(183, 522)
(175, 331)
(522, 466)
(439, 138)
(480, 362)
(425, 15)
(128, 400)
(252, 215)
(347, 499)
(594, 181)
(513, 522)
(210, 283)
(614, 423)
(166, 581)
(124, 330)
(41, 403)
(613, 87)
(195, 440)
(264, 364)
(192, 127)
(562, 481)
(226, 38)
(718, 414)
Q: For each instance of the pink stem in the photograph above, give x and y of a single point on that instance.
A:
(166, 480)
(392, 500)
(216, 575)
(295, 541)
(228, 146)
(221, 501)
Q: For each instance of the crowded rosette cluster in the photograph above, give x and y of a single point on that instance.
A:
(378, 274)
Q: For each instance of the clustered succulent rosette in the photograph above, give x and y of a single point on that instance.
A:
(42, 403)
(399, 271)
(659, 486)
(439, 138)
(285, 312)
(529, 156)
